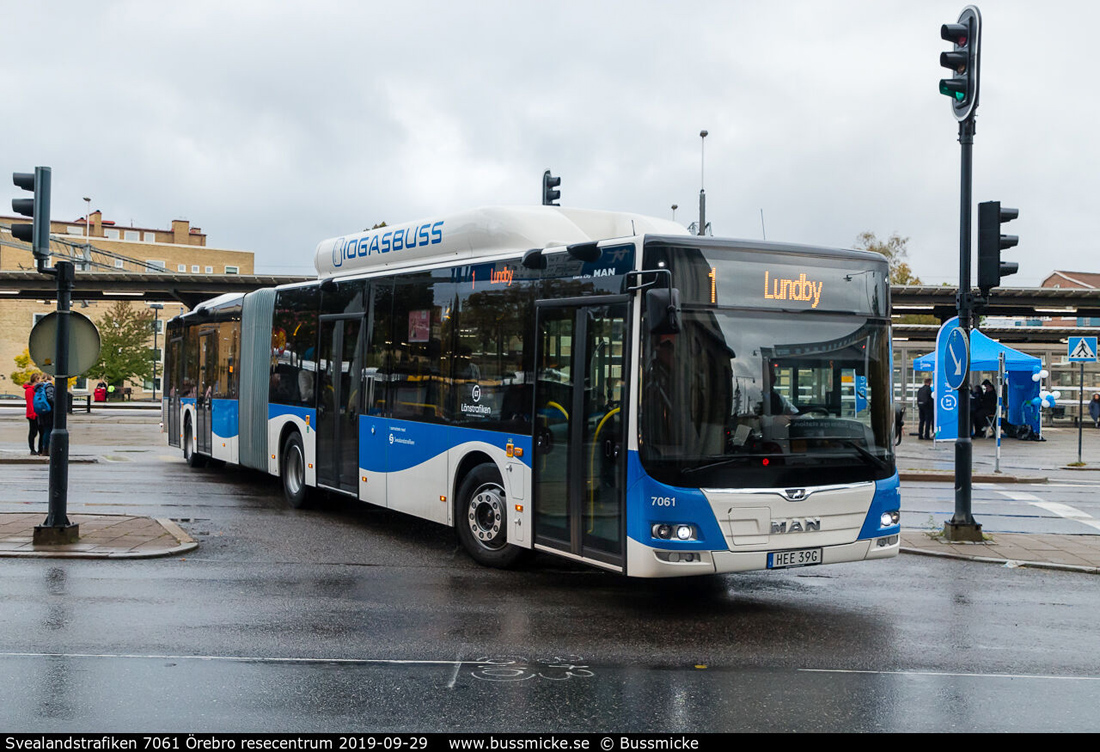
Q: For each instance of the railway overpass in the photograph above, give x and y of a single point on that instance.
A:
(189, 289)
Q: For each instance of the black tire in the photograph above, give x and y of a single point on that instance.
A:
(292, 471)
(481, 519)
(190, 456)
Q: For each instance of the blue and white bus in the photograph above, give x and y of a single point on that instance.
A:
(599, 386)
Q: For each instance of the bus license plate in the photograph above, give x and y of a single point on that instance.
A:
(800, 558)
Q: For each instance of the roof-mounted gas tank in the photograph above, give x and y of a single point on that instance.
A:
(484, 232)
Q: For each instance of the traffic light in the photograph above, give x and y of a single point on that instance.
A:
(549, 184)
(964, 60)
(37, 233)
(991, 242)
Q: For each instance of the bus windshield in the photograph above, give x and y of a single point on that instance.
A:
(742, 397)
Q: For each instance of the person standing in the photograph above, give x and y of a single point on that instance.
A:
(32, 417)
(924, 410)
(43, 409)
(1094, 410)
(989, 407)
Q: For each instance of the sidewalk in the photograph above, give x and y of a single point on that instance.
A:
(102, 536)
(120, 536)
(1075, 553)
(1028, 462)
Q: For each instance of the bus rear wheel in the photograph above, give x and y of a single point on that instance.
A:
(481, 518)
(190, 456)
(293, 472)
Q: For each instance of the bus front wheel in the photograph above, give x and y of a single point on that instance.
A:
(482, 519)
(293, 471)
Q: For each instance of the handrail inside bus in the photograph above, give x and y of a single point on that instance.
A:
(592, 471)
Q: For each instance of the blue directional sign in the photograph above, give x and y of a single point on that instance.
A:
(1082, 350)
(946, 397)
(956, 358)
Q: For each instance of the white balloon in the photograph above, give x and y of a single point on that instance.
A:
(1044, 373)
(1056, 395)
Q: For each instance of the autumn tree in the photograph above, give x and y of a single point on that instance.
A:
(897, 256)
(26, 368)
(896, 253)
(124, 352)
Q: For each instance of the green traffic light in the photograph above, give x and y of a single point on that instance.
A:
(951, 88)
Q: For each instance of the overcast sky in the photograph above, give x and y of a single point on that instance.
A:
(273, 125)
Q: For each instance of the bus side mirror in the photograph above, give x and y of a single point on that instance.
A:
(662, 306)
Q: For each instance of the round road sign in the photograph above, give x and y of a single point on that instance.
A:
(83, 344)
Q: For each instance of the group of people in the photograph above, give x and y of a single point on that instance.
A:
(39, 393)
(983, 407)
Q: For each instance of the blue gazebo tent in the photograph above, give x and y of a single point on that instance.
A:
(984, 355)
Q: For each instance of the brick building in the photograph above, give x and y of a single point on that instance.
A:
(1072, 281)
(105, 246)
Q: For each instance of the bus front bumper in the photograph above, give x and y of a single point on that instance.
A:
(644, 561)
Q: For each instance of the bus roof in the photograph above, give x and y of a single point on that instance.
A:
(774, 247)
(486, 231)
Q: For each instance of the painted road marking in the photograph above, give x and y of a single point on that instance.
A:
(1054, 507)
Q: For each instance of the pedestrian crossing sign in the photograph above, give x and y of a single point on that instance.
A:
(1082, 349)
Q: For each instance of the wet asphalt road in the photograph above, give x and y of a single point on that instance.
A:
(350, 618)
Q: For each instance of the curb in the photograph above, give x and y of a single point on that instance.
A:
(1010, 563)
(28, 460)
(949, 477)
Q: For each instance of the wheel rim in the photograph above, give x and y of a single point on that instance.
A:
(295, 471)
(485, 516)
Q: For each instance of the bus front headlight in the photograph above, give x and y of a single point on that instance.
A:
(675, 530)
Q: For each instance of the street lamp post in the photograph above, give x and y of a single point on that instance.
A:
(157, 308)
(702, 192)
(87, 231)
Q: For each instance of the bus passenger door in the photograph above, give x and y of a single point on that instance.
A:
(204, 395)
(173, 382)
(338, 375)
(579, 449)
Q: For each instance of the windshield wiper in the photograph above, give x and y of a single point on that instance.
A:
(722, 462)
(863, 454)
(871, 459)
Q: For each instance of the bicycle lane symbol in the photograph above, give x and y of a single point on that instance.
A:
(514, 669)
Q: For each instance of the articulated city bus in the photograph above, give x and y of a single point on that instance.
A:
(599, 386)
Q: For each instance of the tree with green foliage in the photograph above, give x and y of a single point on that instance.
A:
(124, 352)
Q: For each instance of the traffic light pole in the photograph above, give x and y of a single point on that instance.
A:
(962, 526)
(57, 528)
